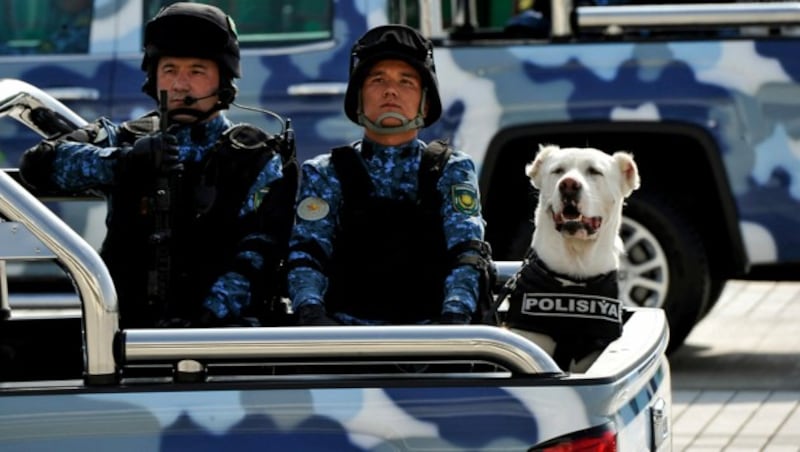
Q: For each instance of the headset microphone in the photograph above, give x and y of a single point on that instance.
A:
(189, 100)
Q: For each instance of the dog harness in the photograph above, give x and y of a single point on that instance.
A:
(580, 315)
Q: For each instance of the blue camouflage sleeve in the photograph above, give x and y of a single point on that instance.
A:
(317, 206)
(81, 166)
(461, 211)
(272, 171)
(230, 294)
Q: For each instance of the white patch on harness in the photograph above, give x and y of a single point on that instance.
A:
(313, 209)
(571, 305)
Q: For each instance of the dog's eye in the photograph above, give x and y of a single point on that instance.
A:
(558, 171)
(594, 171)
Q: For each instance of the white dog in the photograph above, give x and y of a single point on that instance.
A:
(565, 297)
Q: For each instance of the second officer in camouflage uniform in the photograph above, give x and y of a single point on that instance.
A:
(230, 208)
(389, 230)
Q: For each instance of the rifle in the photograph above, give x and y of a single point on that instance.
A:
(159, 274)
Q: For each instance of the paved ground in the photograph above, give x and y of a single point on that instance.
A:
(736, 381)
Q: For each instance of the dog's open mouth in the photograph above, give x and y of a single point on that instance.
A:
(571, 220)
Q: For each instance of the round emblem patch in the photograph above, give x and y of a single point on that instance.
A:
(313, 209)
(465, 199)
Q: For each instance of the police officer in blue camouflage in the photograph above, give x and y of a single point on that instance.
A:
(389, 229)
(199, 209)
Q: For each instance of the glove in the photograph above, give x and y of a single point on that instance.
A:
(454, 318)
(313, 314)
(36, 166)
(229, 295)
(151, 155)
(224, 306)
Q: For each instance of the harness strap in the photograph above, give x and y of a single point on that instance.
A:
(357, 184)
(432, 163)
(483, 248)
(492, 314)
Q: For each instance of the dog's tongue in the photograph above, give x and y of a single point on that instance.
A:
(573, 222)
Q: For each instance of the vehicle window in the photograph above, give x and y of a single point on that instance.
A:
(40, 27)
(272, 23)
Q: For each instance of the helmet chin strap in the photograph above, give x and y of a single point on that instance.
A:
(405, 124)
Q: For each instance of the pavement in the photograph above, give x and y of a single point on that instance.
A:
(736, 379)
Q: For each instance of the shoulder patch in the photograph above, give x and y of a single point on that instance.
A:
(465, 199)
(313, 209)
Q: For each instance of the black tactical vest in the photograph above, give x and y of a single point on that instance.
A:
(390, 256)
(205, 229)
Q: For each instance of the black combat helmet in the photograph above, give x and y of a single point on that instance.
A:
(193, 30)
(392, 42)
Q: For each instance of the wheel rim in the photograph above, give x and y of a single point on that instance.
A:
(644, 270)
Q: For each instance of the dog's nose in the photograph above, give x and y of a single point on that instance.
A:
(569, 187)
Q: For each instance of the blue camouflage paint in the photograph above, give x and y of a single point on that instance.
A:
(479, 416)
(468, 418)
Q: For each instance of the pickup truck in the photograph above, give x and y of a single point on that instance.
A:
(704, 95)
(73, 380)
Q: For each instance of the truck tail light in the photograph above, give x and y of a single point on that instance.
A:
(596, 439)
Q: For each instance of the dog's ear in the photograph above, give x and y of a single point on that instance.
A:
(629, 171)
(532, 170)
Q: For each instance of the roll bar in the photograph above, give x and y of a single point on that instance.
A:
(27, 216)
(34, 232)
(100, 314)
(428, 343)
(38, 110)
(88, 272)
(47, 236)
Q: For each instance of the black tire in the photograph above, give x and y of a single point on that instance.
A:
(665, 264)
